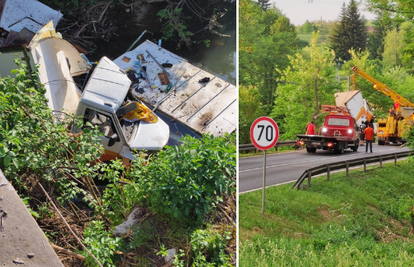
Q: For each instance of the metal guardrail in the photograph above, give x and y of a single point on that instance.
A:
(250, 146)
(327, 168)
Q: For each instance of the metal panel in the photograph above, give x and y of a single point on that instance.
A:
(30, 14)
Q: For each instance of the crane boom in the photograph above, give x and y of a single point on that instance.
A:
(383, 88)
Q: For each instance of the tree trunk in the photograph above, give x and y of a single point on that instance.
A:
(315, 87)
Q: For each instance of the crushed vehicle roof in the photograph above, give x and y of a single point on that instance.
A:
(33, 15)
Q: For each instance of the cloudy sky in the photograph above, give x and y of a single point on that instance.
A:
(298, 11)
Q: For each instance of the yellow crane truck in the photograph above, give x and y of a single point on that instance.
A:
(393, 129)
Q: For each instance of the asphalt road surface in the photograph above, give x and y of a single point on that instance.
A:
(287, 167)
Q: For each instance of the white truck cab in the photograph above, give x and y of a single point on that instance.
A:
(103, 104)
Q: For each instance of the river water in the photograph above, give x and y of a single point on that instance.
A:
(219, 58)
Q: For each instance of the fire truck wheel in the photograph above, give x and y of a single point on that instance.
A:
(340, 149)
(355, 148)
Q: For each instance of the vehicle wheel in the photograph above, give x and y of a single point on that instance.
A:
(340, 149)
(381, 142)
(313, 149)
(309, 149)
(355, 148)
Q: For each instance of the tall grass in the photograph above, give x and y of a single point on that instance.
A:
(361, 220)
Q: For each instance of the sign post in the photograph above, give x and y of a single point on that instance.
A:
(264, 134)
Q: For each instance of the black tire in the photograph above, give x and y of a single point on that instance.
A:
(313, 149)
(309, 149)
(355, 148)
(340, 149)
(381, 142)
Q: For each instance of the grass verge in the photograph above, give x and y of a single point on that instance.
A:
(365, 219)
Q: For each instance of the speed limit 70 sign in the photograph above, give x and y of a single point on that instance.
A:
(264, 133)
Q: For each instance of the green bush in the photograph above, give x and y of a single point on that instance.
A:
(187, 181)
(101, 244)
(208, 248)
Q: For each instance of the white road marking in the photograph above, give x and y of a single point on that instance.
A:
(287, 164)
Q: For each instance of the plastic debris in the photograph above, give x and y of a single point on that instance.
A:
(141, 113)
(204, 80)
(18, 261)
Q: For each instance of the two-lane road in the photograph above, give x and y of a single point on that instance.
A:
(287, 167)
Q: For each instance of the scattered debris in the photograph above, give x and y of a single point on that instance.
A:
(133, 217)
(30, 14)
(204, 80)
(170, 256)
(18, 261)
(30, 255)
(3, 215)
(21, 19)
(68, 252)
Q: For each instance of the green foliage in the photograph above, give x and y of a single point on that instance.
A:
(117, 198)
(263, 251)
(30, 140)
(264, 4)
(249, 110)
(142, 234)
(376, 38)
(176, 261)
(349, 33)
(407, 29)
(175, 25)
(410, 138)
(101, 244)
(56, 4)
(208, 248)
(399, 10)
(26, 203)
(393, 46)
(265, 40)
(309, 82)
(307, 28)
(187, 181)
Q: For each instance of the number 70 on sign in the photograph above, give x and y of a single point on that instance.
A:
(264, 133)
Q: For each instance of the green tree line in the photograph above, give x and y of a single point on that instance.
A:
(289, 79)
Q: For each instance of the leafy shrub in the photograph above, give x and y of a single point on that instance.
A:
(208, 248)
(142, 234)
(34, 149)
(186, 181)
(101, 244)
(29, 138)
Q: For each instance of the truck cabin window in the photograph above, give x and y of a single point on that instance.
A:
(338, 122)
(104, 122)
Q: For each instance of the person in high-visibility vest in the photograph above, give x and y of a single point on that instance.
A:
(369, 137)
(310, 128)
